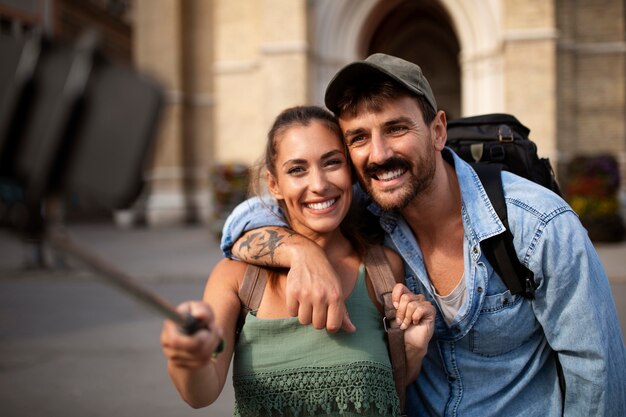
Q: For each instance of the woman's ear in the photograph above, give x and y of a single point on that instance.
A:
(272, 185)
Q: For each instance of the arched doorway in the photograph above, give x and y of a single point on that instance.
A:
(466, 82)
(420, 32)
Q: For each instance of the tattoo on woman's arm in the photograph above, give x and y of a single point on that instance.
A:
(262, 245)
(246, 245)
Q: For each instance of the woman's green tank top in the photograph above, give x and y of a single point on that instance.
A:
(284, 368)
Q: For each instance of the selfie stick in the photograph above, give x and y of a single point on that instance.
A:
(187, 323)
(65, 113)
(126, 283)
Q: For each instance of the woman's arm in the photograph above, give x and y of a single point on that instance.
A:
(199, 375)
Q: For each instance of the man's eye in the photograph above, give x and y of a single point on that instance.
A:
(356, 140)
(397, 129)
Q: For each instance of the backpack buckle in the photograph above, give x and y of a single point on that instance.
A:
(505, 134)
(386, 324)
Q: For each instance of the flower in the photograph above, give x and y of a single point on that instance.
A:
(592, 192)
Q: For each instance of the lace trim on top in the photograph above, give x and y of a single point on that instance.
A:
(362, 388)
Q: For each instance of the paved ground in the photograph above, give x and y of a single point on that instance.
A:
(73, 346)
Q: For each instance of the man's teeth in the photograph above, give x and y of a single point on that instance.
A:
(390, 175)
(321, 206)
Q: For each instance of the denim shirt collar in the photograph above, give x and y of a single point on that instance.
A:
(480, 219)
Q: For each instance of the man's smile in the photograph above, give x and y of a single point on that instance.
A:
(389, 175)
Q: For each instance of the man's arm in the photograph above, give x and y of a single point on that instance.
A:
(251, 214)
(576, 310)
(313, 290)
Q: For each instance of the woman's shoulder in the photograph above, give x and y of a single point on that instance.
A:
(229, 272)
(230, 265)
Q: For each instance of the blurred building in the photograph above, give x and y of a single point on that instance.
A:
(229, 66)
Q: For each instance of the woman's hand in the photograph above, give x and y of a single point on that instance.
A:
(416, 317)
(193, 351)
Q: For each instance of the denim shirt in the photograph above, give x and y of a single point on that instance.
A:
(500, 354)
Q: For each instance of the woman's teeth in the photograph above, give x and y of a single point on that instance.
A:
(322, 205)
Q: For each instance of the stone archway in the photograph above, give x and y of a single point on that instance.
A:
(421, 32)
(346, 30)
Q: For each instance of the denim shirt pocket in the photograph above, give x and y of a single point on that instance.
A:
(505, 322)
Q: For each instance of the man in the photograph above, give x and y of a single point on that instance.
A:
(493, 353)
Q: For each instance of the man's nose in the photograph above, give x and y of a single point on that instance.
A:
(379, 150)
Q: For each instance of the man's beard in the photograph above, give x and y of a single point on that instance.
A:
(421, 178)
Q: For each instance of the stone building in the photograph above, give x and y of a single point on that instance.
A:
(229, 66)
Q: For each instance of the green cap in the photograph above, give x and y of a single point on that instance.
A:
(404, 72)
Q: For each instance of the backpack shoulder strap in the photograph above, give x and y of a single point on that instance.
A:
(251, 292)
(382, 280)
(499, 249)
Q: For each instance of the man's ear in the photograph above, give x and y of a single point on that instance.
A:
(439, 130)
(272, 185)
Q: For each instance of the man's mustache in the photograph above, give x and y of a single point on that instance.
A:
(388, 165)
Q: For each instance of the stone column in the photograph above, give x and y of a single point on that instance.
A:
(198, 104)
(157, 51)
(530, 69)
(260, 69)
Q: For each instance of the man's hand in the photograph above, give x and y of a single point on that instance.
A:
(314, 293)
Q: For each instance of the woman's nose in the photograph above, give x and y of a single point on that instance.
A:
(319, 182)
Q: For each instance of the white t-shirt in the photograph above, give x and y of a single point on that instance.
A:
(451, 304)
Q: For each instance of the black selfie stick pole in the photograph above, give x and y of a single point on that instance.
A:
(126, 283)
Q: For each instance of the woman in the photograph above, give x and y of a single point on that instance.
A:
(282, 367)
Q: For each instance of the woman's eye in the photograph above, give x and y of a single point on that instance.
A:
(334, 162)
(295, 170)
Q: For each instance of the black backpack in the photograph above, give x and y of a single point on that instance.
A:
(491, 143)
